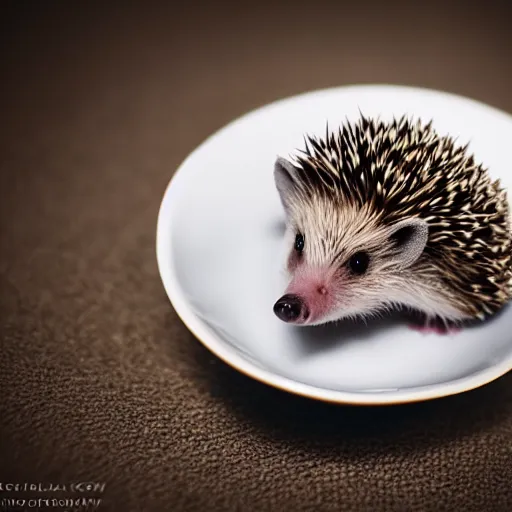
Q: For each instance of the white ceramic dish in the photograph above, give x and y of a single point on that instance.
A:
(220, 256)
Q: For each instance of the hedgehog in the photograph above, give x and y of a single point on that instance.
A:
(383, 216)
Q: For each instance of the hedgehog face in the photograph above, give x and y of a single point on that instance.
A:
(342, 261)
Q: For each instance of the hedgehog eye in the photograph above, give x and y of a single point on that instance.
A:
(358, 263)
(299, 243)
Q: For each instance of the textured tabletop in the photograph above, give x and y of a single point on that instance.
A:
(99, 379)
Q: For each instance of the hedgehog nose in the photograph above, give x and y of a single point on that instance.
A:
(289, 308)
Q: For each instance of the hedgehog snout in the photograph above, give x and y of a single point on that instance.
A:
(291, 308)
(310, 296)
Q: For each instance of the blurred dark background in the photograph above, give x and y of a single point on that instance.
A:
(99, 380)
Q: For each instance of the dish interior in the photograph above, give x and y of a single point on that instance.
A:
(221, 252)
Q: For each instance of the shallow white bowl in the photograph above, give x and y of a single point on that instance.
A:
(221, 257)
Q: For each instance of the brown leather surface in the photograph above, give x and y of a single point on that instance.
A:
(99, 379)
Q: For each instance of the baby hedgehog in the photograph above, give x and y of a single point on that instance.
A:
(392, 215)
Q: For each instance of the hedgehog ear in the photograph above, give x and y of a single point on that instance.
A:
(410, 237)
(285, 184)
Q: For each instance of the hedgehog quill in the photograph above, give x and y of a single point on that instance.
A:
(392, 215)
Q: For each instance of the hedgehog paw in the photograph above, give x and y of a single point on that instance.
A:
(437, 329)
(435, 326)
